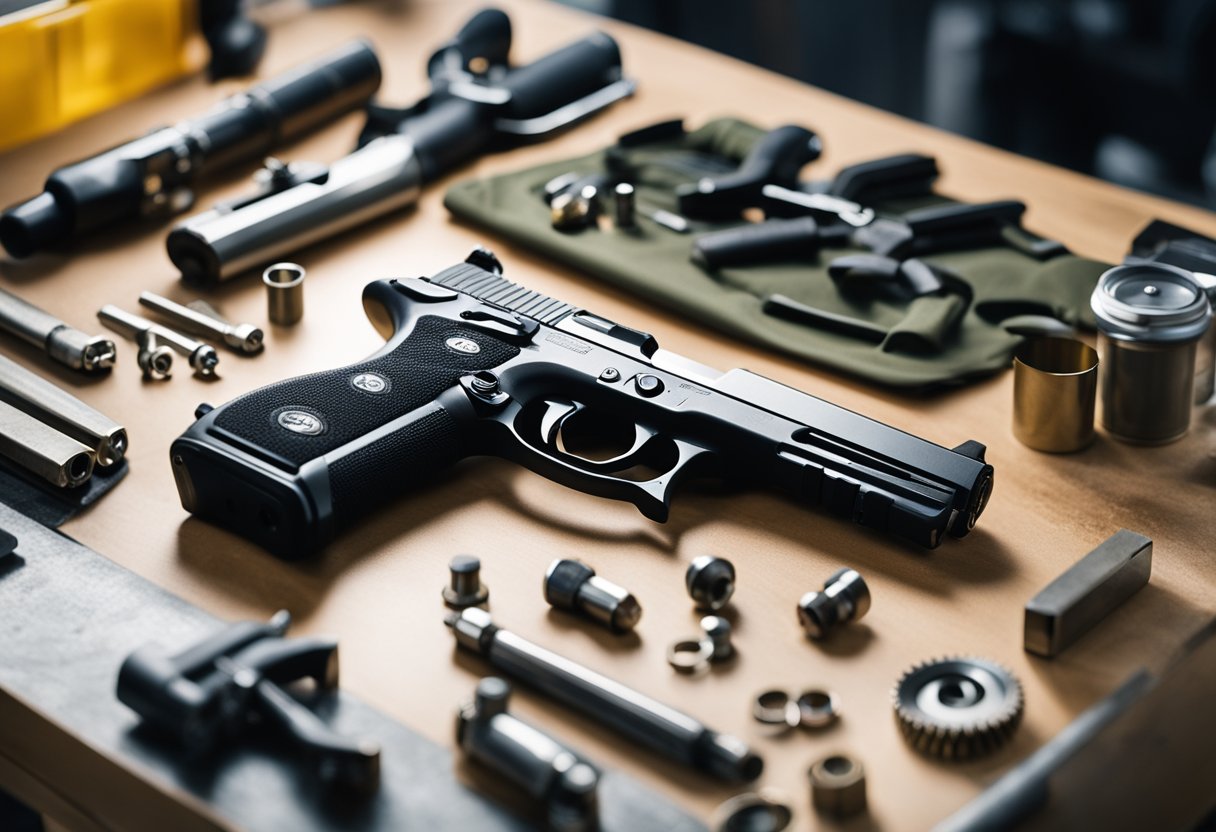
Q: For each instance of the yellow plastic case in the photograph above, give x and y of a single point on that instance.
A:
(63, 60)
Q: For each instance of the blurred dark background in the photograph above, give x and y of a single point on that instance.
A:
(1121, 89)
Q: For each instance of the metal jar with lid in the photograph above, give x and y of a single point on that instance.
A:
(1150, 319)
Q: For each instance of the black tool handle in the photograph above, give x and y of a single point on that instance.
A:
(762, 242)
(562, 77)
(774, 160)
(958, 216)
(891, 177)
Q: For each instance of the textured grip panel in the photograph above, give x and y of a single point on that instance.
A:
(414, 373)
(372, 475)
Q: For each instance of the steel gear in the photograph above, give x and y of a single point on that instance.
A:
(957, 708)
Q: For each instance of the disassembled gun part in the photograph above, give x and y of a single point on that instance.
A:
(718, 633)
(689, 655)
(231, 680)
(624, 205)
(816, 708)
(284, 293)
(573, 585)
(202, 357)
(42, 450)
(774, 707)
(633, 714)
(762, 811)
(65, 344)
(838, 786)
(61, 410)
(465, 588)
(845, 598)
(544, 768)
(153, 358)
(710, 582)
(1070, 606)
(199, 318)
(957, 708)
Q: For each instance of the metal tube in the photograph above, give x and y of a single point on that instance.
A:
(625, 710)
(284, 293)
(42, 450)
(61, 410)
(65, 344)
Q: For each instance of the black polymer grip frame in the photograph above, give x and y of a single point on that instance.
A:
(476, 365)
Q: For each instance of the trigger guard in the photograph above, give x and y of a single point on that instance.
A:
(556, 415)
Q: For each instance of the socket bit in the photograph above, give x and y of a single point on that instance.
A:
(845, 598)
(205, 321)
(202, 357)
(56, 407)
(573, 586)
(546, 770)
(284, 293)
(42, 450)
(710, 582)
(623, 709)
(65, 344)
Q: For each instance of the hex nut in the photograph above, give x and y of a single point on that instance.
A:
(710, 582)
(838, 786)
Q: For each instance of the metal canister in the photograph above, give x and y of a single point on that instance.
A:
(1150, 320)
(1205, 358)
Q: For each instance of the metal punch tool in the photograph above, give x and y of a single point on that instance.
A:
(200, 318)
(63, 343)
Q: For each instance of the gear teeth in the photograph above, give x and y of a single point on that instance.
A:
(955, 742)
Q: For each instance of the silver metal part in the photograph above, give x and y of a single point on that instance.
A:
(762, 811)
(670, 221)
(816, 708)
(710, 582)
(623, 709)
(838, 786)
(284, 293)
(573, 586)
(624, 206)
(848, 211)
(845, 598)
(244, 338)
(690, 655)
(957, 708)
(202, 357)
(774, 707)
(465, 588)
(718, 633)
(42, 450)
(56, 407)
(65, 344)
(1087, 592)
(546, 770)
(218, 244)
(153, 358)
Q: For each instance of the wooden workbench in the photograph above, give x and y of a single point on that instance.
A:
(377, 589)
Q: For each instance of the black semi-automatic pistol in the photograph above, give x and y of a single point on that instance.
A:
(477, 365)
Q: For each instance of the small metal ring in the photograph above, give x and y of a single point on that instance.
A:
(763, 811)
(816, 708)
(690, 654)
(773, 707)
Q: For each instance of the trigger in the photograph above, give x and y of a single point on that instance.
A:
(555, 414)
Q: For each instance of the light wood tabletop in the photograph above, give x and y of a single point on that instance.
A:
(377, 589)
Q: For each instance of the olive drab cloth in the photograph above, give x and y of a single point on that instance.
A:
(927, 344)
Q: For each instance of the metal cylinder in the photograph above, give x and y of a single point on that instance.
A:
(1205, 355)
(61, 410)
(1055, 384)
(625, 214)
(42, 450)
(1150, 320)
(284, 293)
